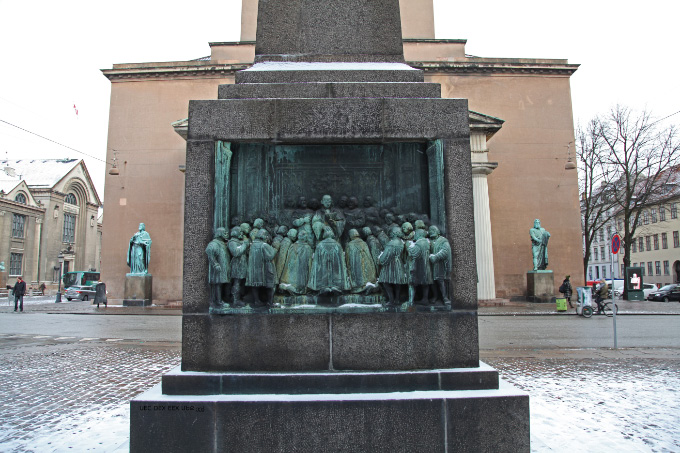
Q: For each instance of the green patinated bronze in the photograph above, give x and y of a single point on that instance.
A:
(139, 252)
(317, 201)
(223, 156)
(435, 160)
(539, 246)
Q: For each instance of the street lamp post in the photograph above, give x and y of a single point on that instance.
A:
(61, 264)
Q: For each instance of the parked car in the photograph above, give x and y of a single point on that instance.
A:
(666, 293)
(80, 292)
(649, 288)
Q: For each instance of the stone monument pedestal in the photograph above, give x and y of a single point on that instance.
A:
(137, 290)
(3, 279)
(460, 409)
(540, 286)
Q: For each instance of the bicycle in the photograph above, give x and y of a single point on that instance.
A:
(604, 308)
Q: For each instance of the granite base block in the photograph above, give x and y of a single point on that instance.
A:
(330, 341)
(420, 421)
(540, 286)
(138, 290)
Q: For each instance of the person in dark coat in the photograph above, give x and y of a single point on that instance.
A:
(19, 290)
(566, 289)
(218, 268)
(261, 269)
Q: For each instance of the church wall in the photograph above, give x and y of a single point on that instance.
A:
(150, 187)
(530, 181)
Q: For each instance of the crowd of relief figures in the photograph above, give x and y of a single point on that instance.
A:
(322, 251)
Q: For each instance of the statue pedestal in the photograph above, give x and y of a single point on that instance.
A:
(137, 290)
(3, 279)
(540, 286)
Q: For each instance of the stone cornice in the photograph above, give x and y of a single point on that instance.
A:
(218, 69)
(483, 66)
(210, 69)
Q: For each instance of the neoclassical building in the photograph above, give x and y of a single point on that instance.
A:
(520, 121)
(48, 206)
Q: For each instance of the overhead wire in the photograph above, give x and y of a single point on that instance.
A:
(55, 142)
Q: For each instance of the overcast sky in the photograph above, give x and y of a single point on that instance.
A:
(51, 54)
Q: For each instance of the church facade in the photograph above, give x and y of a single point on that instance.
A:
(520, 120)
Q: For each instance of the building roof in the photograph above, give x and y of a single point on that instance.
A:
(38, 173)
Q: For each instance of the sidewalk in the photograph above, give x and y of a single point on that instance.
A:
(46, 304)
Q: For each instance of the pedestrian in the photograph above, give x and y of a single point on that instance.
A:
(566, 289)
(19, 290)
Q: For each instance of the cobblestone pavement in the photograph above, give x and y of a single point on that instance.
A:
(603, 404)
(71, 394)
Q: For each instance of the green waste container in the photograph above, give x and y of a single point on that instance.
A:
(561, 304)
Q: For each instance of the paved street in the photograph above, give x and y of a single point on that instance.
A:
(67, 378)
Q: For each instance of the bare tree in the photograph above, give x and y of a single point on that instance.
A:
(596, 204)
(638, 159)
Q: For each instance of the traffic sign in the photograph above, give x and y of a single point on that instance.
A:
(616, 244)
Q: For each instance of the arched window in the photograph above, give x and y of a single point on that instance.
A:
(20, 198)
(70, 199)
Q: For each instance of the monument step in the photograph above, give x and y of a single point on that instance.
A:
(177, 382)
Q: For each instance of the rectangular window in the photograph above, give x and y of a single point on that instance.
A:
(633, 246)
(641, 244)
(657, 266)
(676, 239)
(604, 271)
(642, 266)
(18, 222)
(602, 252)
(666, 268)
(650, 268)
(648, 243)
(645, 217)
(653, 215)
(69, 228)
(639, 220)
(623, 270)
(620, 224)
(656, 242)
(662, 213)
(609, 232)
(601, 235)
(15, 262)
(595, 253)
(664, 240)
(634, 264)
(674, 210)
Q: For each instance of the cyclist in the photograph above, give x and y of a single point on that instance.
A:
(601, 293)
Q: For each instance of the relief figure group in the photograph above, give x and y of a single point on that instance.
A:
(322, 251)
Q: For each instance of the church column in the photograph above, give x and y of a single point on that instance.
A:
(481, 168)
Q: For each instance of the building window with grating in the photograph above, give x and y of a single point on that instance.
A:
(676, 239)
(645, 217)
(633, 246)
(69, 228)
(641, 245)
(662, 213)
(664, 240)
(657, 265)
(648, 243)
(653, 215)
(18, 222)
(666, 268)
(674, 211)
(656, 242)
(70, 199)
(15, 262)
(650, 268)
